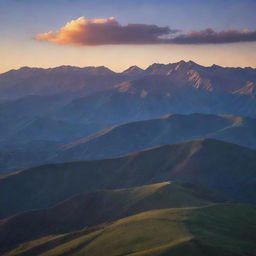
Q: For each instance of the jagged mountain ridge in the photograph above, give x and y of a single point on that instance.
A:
(38, 81)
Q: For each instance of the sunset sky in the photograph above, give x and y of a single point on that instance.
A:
(121, 33)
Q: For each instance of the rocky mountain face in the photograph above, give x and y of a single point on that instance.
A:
(37, 81)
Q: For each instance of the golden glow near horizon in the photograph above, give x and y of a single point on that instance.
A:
(118, 34)
(120, 57)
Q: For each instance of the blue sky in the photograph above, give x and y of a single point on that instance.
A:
(21, 20)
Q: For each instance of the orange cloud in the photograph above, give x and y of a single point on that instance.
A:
(84, 31)
(92, 32)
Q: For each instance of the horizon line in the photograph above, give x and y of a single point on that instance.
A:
(102, 66)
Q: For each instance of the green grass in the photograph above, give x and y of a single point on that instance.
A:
(232, 226)
(217, 229)
(96, 208)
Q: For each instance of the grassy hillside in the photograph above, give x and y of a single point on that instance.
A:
(98, 207)
(213, 165)
(221, 229)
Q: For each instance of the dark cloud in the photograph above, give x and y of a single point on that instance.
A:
(92, 32)
(209, 36)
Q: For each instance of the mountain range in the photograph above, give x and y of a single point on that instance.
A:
(38, 81)
(99, 98)
(145, 162)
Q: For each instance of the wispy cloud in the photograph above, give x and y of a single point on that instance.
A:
(93, 32)
(209, 36)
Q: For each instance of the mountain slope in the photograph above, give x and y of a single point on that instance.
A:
(15, 114)
(134, 70)
(97, 207)
(213, 78)
(213, 165)
(222, 229)
(38, 81)
(150, 97)
(30, 142)
(249, 89)
(135, 136)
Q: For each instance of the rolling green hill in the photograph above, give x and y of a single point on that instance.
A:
(220, 229)
(213, 165)
(94, 208)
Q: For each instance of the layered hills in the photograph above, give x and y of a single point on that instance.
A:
(46, 104)
(221, 167)
(156, 161)
(63, 141)
(135, 136)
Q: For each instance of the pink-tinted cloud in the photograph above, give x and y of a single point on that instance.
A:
(84, 31)
(209, 36)
(92, 32)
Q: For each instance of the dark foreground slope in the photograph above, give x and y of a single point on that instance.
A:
(220, 229)
(213, 165)
(95, 208)
(135, 136)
